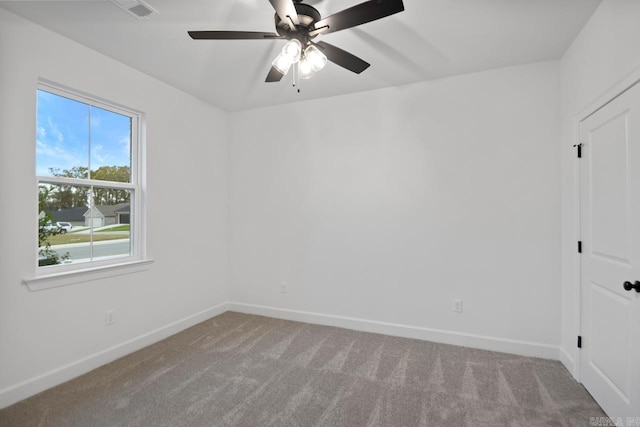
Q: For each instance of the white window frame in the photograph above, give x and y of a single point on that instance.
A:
(66, 274)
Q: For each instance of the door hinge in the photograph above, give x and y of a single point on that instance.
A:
(579, 341)
(579, 146)
(579, 246)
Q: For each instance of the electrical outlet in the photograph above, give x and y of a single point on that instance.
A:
(457, 305)
(283, 287)
(109, 317)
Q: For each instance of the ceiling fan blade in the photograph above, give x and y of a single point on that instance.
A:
(284, 9)
(343, 58)
(274, 75)
(232, 35)
(360, 14)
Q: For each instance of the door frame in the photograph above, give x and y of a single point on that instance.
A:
(609, 95)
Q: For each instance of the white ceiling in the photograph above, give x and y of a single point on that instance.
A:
(430, 39)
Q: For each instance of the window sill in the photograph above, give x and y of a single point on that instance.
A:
(86, 275)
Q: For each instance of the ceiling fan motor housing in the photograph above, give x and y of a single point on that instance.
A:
(307, 16)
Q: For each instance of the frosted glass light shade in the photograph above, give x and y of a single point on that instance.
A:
(290, 55)
(316, 59)
(304, 69)
(282, 63)
(293, 49)
(312, 62)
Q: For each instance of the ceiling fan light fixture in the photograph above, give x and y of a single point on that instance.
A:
(289, 55)
(293, 50)
(282, 63)
(317, 60)
(312, 61)
(305, 70)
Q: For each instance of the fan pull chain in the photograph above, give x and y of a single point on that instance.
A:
(296, 77)
(296, 80)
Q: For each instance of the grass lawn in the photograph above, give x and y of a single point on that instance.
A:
(63, 239)
(123, 227)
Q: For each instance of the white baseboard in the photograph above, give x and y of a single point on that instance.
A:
(568, 362)
(15, 393)
(524, 348)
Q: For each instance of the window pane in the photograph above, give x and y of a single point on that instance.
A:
(53, 198)
(86, 186)
(110, 223)
(110, 146)
(62, 136)
(63, 235)
(82, 232)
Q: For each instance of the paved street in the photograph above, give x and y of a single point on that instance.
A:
(107, 248)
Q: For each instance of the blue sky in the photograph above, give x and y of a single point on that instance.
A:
(62, 135)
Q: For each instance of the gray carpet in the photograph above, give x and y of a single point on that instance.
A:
(244, 370)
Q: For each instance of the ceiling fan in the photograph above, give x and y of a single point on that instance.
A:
(300, 23)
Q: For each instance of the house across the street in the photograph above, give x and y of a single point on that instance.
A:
(102, 215)
(74, 216)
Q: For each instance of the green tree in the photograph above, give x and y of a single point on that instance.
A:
(68, 196)
(110, 196)
(77, 196)
(47, 255)
(112, 173)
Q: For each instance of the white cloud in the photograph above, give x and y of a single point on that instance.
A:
(53, 127)
(97, 157)
(44, 149)
(125, 143)
(96, 121)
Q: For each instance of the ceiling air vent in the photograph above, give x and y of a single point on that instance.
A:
(136, 8)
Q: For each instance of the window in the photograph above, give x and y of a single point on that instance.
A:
(89, 183)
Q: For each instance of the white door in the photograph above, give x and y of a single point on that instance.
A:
(610, 233)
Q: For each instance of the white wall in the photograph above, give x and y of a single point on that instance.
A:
(377, 208)
(49, 335)
(604, 53)
(384, 206)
